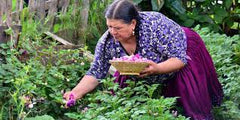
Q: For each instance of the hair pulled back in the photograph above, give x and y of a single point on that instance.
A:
(122, 10)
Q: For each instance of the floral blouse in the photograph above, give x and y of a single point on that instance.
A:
(159, 39)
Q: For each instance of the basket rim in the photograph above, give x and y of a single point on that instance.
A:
(116, 61)
(129, 67)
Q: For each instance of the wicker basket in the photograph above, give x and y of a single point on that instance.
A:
(129, 68)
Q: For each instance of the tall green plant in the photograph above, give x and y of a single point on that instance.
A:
(96, 22)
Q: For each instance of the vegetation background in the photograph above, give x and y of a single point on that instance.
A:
(35, 74)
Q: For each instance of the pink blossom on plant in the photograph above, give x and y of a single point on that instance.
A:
(85, 110)
(71, 102)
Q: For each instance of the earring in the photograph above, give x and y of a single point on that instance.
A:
(133, 32)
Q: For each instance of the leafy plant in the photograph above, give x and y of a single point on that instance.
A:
(224, 54)
(132, 102)
(96, 23)
(44, 117)
(220, 16)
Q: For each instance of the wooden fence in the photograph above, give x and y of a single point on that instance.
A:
(40, 9)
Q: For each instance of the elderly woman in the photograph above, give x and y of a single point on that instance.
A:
(178, 57)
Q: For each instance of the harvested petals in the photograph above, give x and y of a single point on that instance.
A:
(132, 58)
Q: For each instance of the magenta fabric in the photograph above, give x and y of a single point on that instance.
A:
(196, 84)
(120, 79)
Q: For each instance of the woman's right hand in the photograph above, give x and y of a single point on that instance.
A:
(70, 98)
(86, 84)
(66, 95)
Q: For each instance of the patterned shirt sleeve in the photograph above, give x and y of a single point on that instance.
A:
(100, 66)
(170, 39)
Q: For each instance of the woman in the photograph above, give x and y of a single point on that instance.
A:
(178, 57)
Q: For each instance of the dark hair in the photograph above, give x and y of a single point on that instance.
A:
(123, 10)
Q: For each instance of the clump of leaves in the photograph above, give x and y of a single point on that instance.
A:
(132, 102)
(225, 53)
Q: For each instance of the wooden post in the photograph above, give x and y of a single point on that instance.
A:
(31, 6)
(52, 11)
(8, 12)
(40, 6)
(19, 8)
(64, 4)
(2, 4)
(84, 14)
(3, 36)
(6, 9)
(76, 6)
(84, 20)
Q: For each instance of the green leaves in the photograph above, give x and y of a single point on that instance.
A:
(43, 117)
(224, 52)
(220, 14)
(133, 102)
(157, 4)
(137, 1)
(176, 6)
(228, 3)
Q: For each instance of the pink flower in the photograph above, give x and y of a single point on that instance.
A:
(132, 58)
(71, 102)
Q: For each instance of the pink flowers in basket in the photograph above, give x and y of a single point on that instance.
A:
(132, 58)
(129, 65)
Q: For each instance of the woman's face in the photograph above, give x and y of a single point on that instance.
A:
(120, 30)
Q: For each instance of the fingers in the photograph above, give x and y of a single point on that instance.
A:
(66, 98)
(66, 95)
(145, 72)
(149, 70)
(143, 75)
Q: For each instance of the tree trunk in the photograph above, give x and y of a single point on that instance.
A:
(8, 12)
(65, 5)
(2, 10)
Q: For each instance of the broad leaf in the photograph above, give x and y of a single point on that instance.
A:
(137, 1)
(188, 22)
(157, 4)
(228, 3)
(44, 117)
(204, 18)
(200, 0)
(177, 5)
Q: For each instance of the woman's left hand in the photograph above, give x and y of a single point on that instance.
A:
(151, 69)
(170, 65)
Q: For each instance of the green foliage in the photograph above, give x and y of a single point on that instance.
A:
(42, 85)
(219, 16)
(155, 4)
(224, 51)
(44, 117)
(133, 102)
(14, 4)
(33, 88)
(96, 22)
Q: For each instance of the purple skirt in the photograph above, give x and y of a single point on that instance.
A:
(196, 84)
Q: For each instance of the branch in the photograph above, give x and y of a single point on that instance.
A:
(59, 39)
